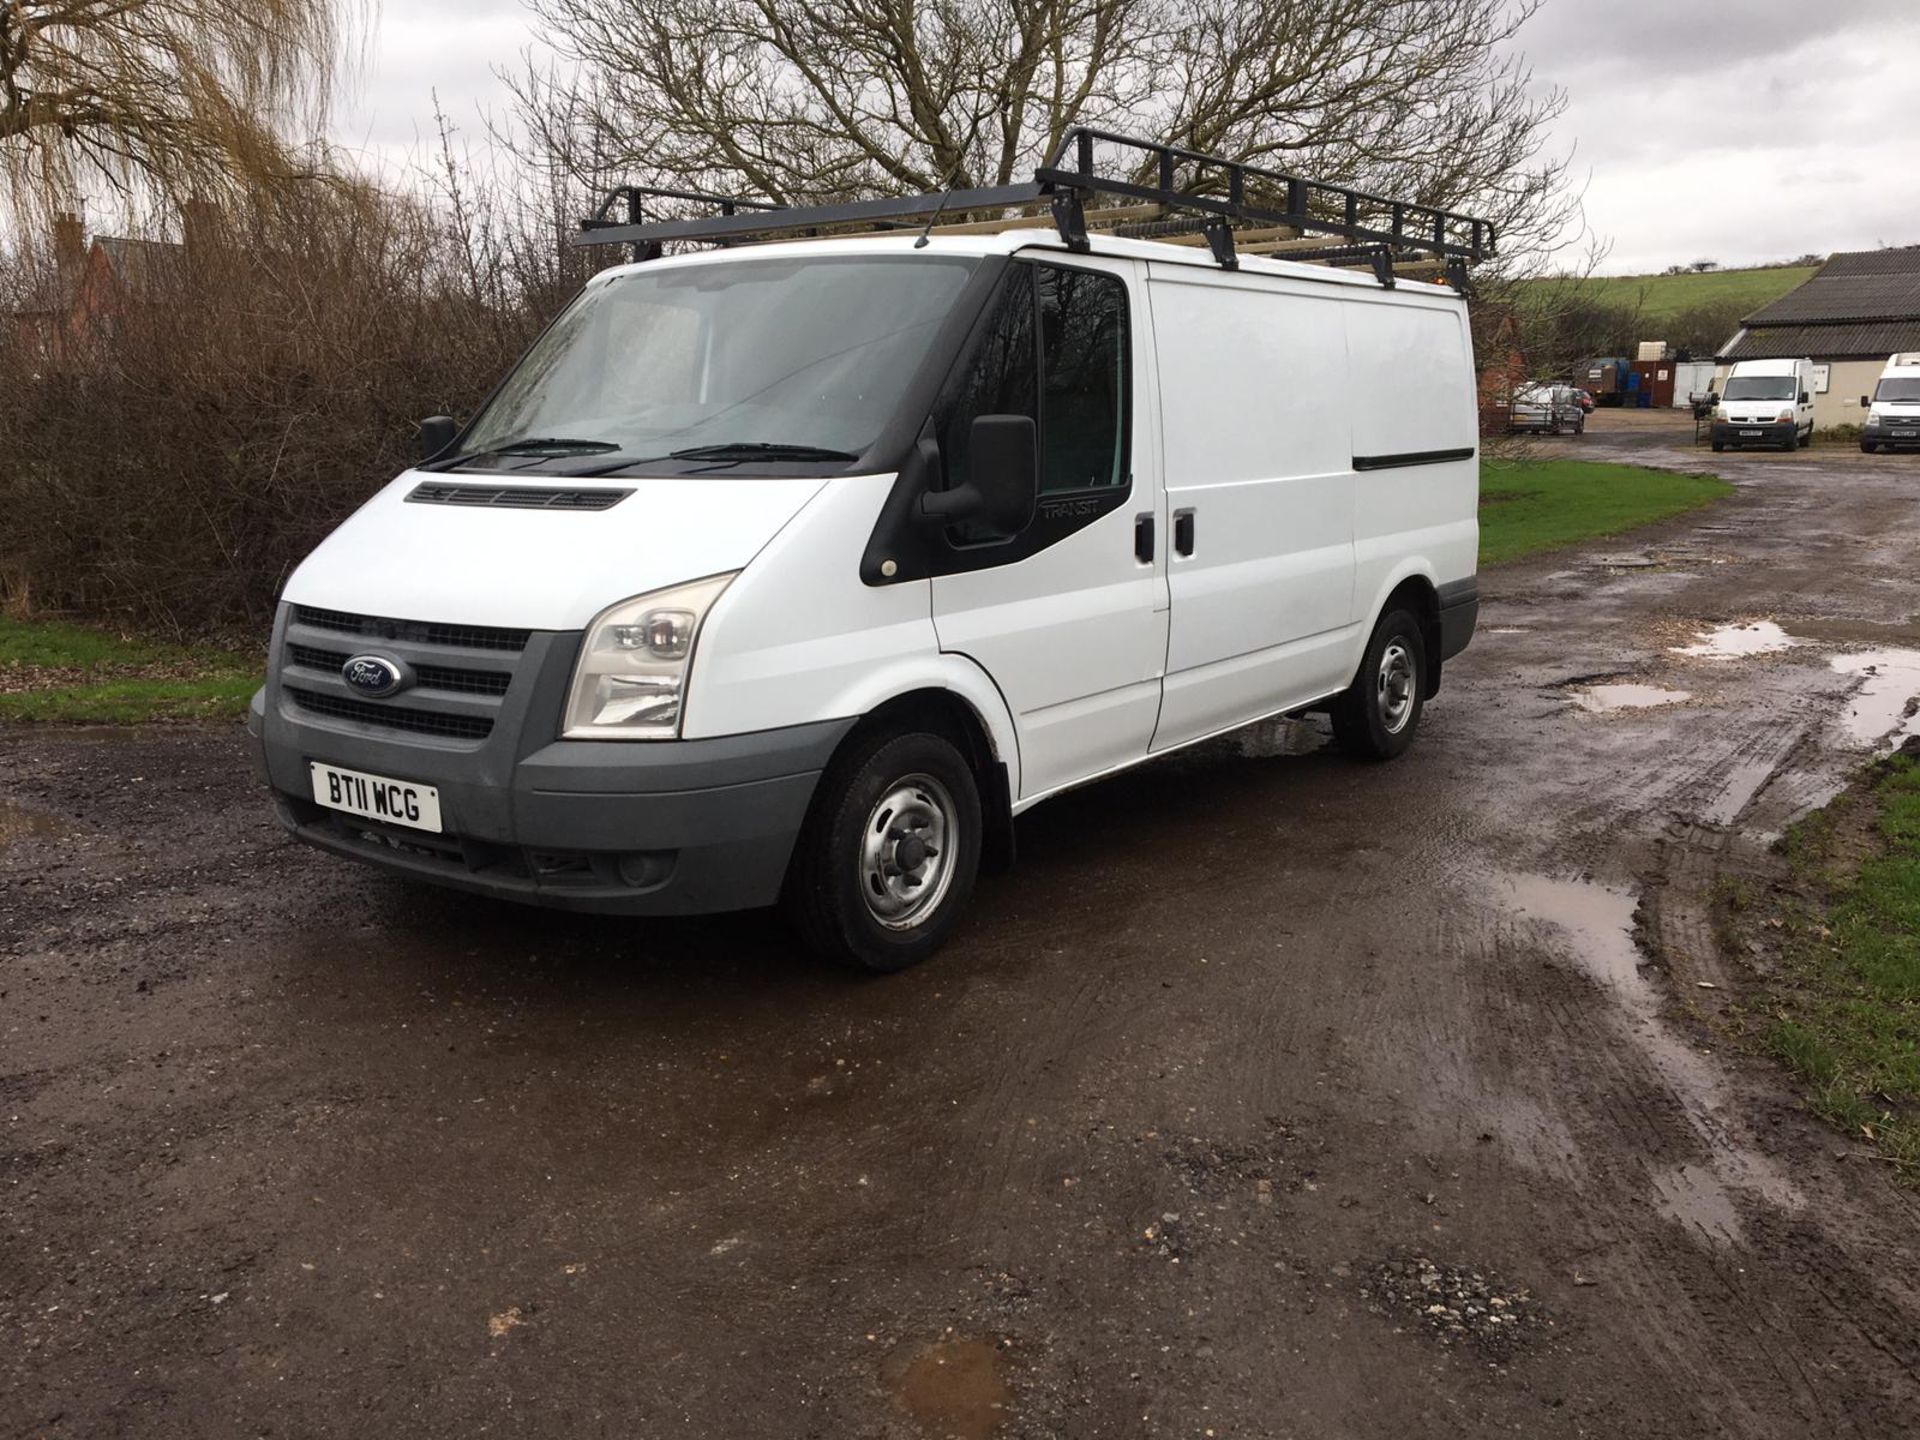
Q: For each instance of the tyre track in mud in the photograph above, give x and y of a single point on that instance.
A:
(449, 1164)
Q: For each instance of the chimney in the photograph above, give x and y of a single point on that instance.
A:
(69, 241)
(200, 221)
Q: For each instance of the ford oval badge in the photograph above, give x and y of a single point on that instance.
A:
(374, 676)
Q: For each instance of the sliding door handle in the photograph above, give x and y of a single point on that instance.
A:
(1143, 538)
(1183, 532)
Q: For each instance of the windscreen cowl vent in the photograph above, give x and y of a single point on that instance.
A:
(497, 497)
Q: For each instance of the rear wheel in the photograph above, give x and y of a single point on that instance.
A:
(889, 853)
(1378, 714)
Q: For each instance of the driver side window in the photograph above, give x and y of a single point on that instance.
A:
(1056, 349)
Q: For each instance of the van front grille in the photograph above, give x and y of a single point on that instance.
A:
(391, 717)
(374, 627)
(456, 680)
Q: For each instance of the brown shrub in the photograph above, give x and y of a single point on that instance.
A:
(226, 402)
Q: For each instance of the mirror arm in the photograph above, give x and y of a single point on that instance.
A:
(956, 504)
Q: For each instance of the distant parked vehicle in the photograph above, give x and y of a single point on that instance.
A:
(1547, 410)
(1893, 410)
(1585, 398)
(1765, 402)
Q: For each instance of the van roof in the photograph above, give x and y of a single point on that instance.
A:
(1008, 242)
(1769, 367)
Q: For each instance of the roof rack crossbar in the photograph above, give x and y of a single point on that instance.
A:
(1219, 193)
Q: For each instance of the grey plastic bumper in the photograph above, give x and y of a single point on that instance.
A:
(638, 828)
(1459, 613)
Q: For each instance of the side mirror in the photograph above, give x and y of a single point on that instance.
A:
(1004, 460)
(1805, 399)
(1866, 403)
(437, 432)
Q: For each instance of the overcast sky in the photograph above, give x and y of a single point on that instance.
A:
(1738, 132)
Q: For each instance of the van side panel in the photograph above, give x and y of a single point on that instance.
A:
(1253, 394)
(1413, 393)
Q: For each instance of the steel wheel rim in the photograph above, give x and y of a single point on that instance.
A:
(906, 852)
(1395, 687)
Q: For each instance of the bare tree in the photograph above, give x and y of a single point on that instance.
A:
(177, 94)
(1421, 99)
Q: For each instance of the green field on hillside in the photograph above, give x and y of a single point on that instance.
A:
(1662, 297)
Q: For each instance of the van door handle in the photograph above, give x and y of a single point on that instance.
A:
(1143, 538)
(1183, 532)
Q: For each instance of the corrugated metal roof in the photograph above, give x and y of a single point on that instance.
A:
(1853, 285)
(1866, 339)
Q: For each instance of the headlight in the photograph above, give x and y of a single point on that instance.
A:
(1785, 417)
(632, 676)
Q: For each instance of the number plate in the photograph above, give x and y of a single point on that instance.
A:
(1906, 434)
(397, 802)
(1745, 433)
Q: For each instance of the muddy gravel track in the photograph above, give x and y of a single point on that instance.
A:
(1273, 1095)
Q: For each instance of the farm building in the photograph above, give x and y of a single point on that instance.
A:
(1861, 307)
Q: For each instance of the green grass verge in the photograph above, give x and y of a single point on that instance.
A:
(1529, 507)
(1663, 298)
(60, 674)
(1846, 1009)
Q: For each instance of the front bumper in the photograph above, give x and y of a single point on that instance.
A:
(623, 827)
(1902, 433)
(1732, 432)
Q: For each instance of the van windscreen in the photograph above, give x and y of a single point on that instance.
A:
(791, 359)
(1759, 387)
(1897, 388)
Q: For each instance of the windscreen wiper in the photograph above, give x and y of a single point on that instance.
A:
(759, 450)
(544, 445)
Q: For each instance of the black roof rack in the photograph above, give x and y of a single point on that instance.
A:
(1181, 196)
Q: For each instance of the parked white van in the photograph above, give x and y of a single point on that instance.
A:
(795, 571)
(1765, 402)
(1893, 410)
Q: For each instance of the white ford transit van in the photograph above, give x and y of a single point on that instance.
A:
(1765, 402)
(1893, 410)
(795, 571)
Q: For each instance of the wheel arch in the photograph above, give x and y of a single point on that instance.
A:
(1412, 585)
(980, 729)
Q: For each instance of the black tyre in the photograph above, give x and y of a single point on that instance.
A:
(1377, 716)
(1867, 447)
(887, 858)
(1807, 439)
(1718, 446)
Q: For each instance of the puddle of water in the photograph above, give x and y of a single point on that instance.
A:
(1603, 698)
(1693, 1196)
(954, 1389)
(19, 823)
(1597, 922)
(1725, 642)
(1883, 707)
(1742, 784)
(1597, 918)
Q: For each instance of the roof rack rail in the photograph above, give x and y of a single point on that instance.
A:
(1165, 192)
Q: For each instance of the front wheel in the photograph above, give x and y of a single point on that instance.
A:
(889, 853)
(1378, 714)
(1867, 447)
(1807, 439)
